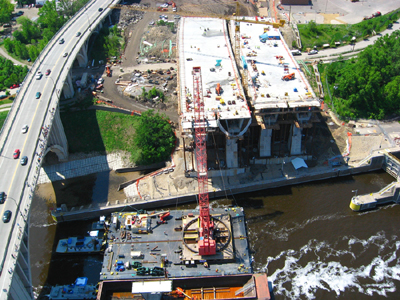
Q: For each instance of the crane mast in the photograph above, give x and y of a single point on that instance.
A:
(206, 243)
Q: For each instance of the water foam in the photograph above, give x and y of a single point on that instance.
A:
(330, 270)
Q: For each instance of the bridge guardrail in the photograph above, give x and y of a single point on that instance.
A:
(17, 101)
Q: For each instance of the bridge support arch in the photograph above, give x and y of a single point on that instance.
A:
(82, 56)
(57, 140)
(68, 88)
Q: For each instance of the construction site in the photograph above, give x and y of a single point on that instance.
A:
(257, 102)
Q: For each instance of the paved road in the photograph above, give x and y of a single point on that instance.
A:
(17, 180)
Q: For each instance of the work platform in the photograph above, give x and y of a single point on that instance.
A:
(279, 91)
(204, 43)
(169, 246)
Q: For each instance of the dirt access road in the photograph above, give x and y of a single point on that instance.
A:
(135, 33)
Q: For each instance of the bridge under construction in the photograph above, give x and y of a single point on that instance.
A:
(257, 101)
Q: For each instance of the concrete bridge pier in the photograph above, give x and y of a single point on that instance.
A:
(82, 56)
(295, 140)
(68, 88)
(21, 287)
(57, 142)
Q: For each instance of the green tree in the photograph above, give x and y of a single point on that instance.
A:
(49, 17)
(154, 137)
(6, 9)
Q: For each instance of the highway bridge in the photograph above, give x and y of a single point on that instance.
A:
(45, 133)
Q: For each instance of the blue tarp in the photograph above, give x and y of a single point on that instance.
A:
(263, 37)
(244, 63)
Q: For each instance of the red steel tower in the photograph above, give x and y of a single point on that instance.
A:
(206, 243)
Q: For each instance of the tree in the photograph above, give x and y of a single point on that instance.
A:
(6, 9)
(154, 137)
(49, 17)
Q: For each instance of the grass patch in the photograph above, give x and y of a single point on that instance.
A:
(3, 116)
(100, 131)
(313, 34)
(6, 101)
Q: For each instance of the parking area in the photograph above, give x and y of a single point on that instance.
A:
(339, 11)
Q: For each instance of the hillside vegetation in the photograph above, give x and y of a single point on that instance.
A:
(369, 86)
(313, 34)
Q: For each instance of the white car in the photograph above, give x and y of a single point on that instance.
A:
(65, 54)
(151, 23)
(24, 129)
(165, 5)
(312, 52)
(38, 75)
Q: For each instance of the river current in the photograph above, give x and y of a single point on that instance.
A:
(305, 237)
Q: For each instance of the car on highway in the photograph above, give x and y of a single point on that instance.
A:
(24, 160)
(100, 9)
(61, 41)
(78, 33)
(16, 153)
(38, 75)
(48, 71)
(312, 52)
(38, 94)
(14, 86)
(65, 54)
(7, 216)
(24, 129)
(2, 197)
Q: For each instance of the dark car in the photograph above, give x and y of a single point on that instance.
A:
(24, 160)
(100, 9)
(61, 41)
(377, 14)
(2, 197)
(78, 33)
(48, 72)
(7, 216)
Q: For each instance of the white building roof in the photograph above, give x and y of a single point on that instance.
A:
(204, 42)
(273, 60)
(159, 286)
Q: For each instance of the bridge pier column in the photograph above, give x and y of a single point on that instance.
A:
(68, 88)
(295, 140)
(82, 56)
(57, 140)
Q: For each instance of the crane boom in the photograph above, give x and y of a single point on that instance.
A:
(206, 243)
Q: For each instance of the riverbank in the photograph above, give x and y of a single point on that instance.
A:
(162, 189)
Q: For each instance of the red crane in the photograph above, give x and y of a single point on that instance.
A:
(206, 243)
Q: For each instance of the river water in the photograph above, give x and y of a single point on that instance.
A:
(305, 237)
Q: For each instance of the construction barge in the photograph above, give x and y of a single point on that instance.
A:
(158, 253)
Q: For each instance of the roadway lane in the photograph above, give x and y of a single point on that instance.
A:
(17, 180)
